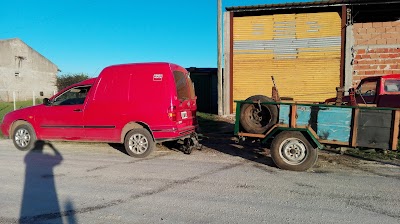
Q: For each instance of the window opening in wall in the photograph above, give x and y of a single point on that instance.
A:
(19, 60)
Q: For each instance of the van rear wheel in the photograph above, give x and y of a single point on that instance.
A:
(139, 143)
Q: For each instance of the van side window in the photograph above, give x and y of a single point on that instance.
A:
(184, 86)
(73, 96)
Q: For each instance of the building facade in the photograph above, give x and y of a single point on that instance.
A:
(310, 48)
(24, 73)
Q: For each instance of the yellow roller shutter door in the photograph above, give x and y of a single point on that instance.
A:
(302, 52)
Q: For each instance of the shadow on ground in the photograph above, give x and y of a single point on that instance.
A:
(380, 156)
(172, 145)
(40, 203)
(218, 134)
(119, 147)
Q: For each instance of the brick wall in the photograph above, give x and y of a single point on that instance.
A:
(376, 49)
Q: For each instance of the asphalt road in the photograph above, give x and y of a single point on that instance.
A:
(96, 183)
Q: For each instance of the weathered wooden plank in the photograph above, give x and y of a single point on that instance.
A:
(303, 115)
(333, 142)
(293, 116)
(355, 127)
(313, 133)
(243, 134)
(284, 111)
(395, 128)
(334, 123)
(374, 128)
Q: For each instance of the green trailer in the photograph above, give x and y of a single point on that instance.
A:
(296, 130)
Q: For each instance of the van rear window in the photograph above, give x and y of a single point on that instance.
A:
(184, 86)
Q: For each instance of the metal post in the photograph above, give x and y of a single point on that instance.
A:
(15, 106)
(219, 37)
(33, 98)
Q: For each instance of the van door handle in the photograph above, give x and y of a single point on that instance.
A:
(77, 110)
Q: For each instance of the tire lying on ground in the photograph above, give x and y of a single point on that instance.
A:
(256, 118)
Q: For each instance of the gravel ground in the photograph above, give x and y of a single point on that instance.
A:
(225, 182)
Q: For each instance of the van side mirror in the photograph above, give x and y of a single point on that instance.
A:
(46, 101)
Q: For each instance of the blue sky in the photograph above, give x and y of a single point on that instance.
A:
(84, 36)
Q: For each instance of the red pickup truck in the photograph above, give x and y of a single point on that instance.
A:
(380, 91)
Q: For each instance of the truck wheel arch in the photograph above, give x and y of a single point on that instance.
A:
(132, 125)
(304, 131)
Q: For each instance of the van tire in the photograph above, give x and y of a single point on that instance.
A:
(258, 122)
(290, 150)
(24, 137)
(139, 143)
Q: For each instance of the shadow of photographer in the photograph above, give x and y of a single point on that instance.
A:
(39, 200)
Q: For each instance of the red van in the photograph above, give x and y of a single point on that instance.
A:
(133, 104)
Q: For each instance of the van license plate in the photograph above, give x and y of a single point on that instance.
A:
(184, 114)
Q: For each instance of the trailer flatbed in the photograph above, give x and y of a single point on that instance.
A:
(301, 128)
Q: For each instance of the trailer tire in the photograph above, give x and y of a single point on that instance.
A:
(255, 121)
(290, 150)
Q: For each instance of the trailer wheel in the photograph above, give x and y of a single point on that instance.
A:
(139, 143)
(24, 137)
(290, 150)
(258, 118)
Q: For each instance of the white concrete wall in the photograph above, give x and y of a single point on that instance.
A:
(25, 72)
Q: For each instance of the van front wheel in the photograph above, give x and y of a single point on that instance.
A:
(139, 143)
(24, 137)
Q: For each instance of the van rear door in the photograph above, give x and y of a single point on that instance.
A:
(186, 110)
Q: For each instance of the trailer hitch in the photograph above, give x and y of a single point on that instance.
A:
(191, 143)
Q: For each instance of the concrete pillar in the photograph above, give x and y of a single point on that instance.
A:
(227, 66)
(350, 54)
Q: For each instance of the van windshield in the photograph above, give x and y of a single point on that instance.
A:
(184, 86)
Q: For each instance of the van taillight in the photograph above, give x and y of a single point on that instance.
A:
(172, 113)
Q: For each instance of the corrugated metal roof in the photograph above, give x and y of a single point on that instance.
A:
(309, 4)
